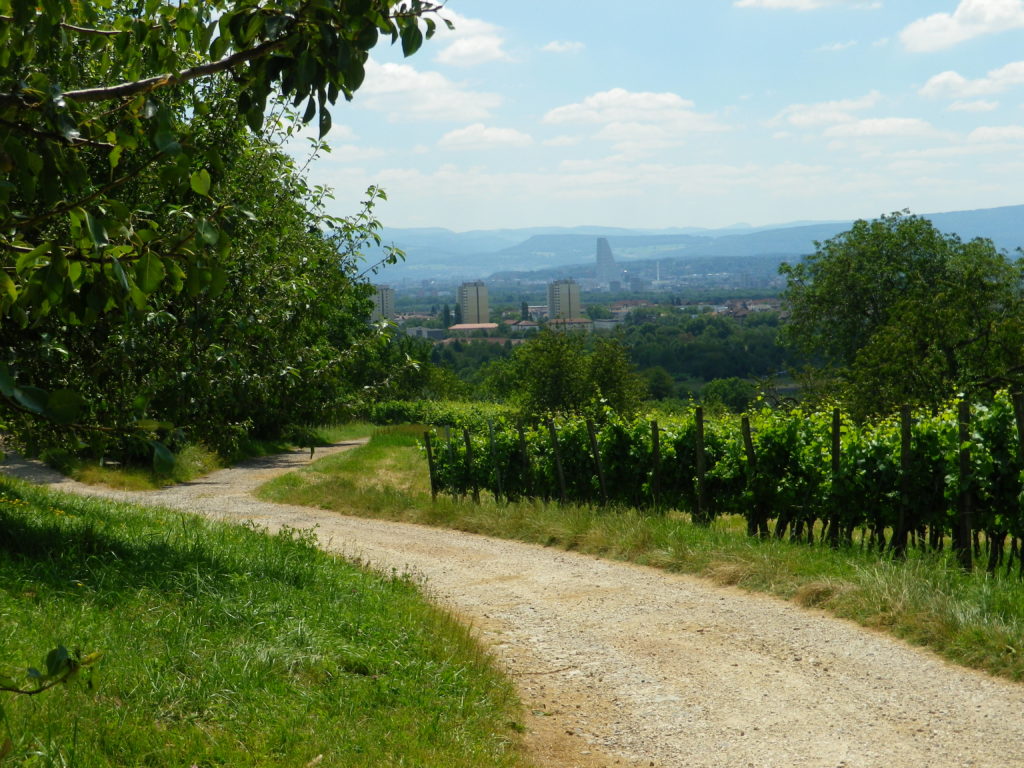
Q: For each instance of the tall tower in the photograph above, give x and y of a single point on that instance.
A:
(473, 303)
(563, 300)
(606, 270)
(383, 303)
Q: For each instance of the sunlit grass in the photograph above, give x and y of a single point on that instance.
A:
(972, 618)
(225, 646)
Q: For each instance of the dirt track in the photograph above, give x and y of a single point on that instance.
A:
(621, 665)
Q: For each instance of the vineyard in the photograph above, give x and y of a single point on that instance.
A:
(923, 481)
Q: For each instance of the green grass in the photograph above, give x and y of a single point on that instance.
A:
(194, 461)
(225, 646)
(973, 619)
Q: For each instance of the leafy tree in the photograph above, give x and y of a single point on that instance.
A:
(894, 312)
(660, 383)
(98, 98)
(129, 238)
(733, 393)
(614, 377)
(555, 372)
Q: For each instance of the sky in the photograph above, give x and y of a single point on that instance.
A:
(665, 113)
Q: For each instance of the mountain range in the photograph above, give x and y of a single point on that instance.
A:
(441, 254)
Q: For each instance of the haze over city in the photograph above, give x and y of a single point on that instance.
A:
(689, 114)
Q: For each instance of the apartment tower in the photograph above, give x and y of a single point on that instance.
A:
(564, 300)
(383, 303)
(473, 303)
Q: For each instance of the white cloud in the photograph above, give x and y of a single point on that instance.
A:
(563, 46)
(991, 134)
(835, 47)
(826, 112)
(407, 94)
(881, 126)
(954, 85)
(562, 141)
(973, 106)
(972, 18)
(625, 107)
(480, 136)
(473, 42)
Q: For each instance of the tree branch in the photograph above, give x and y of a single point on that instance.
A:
(81, 30)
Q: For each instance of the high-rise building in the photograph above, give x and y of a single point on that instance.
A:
(606, 269)
(383, 303)
(564, 300)
(473, 303)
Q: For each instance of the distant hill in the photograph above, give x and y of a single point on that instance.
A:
(441, 254)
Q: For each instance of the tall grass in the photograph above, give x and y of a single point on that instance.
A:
(227, 646)
(971, 618)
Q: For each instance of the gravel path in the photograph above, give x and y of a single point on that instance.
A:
(622, 665)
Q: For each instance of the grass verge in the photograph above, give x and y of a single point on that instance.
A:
(227, 646)
(194, 461)
(972, 619)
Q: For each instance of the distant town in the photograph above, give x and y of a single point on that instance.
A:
(441, 312)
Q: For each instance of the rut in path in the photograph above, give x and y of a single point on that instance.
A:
(622, 665)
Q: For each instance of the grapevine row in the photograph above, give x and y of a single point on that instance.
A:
(922, 479)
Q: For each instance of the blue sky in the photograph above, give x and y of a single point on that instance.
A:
(660, 114)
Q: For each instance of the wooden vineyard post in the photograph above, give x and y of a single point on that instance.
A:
(756, 523)
(494, 459)
(899, 537)
(430, 466)
(469, 466)
(702, 505)
(524, 455)
(834, 523)
(655, 465)
(962, 527)
(558, 461)
(1018, 413)
(596, 452)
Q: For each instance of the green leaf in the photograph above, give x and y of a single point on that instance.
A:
(31, 399)
(119, 274)
(8, 287)
(64, 406)
(200, 181)
(325, 122)
(208, 232)
(218, 281)
(412, 38)
(97, 231)
(166, 142)
(149, 272)
(29, 260)
(6, 381)
(163, 459)
(57, 661)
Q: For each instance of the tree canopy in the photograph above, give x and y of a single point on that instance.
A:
(556, 373)
(164, 266)
(101, 100)
(895, 312)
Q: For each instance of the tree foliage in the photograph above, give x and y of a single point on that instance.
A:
(100, 101)
(161, 260)
(895, 312)
(556, 373)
